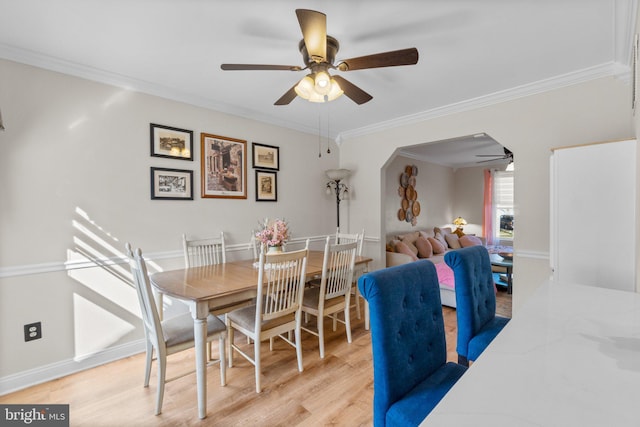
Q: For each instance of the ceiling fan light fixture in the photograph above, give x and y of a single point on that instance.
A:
(305, 88)
(335, 92)
(316, 97)
(322, 82)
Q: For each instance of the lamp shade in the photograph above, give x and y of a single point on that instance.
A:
(322, 83)
(304, 89)
(459, 221)
(318, 87)
(337, 174)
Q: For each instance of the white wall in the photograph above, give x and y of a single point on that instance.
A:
(75, 171)
(468, 198)
(434, 185)
(75, 168)
(635, 117)
(592, 111)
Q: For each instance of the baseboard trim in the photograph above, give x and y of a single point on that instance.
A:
(42, 374)
(532, 254)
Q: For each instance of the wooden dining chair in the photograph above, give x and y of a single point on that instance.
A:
(209, 251)
(334, 293)
(281, 278)
(169, 336)
(357, 272)
(199, 252)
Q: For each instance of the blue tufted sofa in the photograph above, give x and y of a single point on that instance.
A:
(410, 371)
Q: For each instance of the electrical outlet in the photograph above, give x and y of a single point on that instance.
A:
(32, 331)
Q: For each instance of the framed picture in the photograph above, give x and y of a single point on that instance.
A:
(171, 184)
(171, 142)
(223, 167)
(266, 157)
(266, 186)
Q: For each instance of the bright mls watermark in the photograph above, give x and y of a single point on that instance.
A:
(34, 415)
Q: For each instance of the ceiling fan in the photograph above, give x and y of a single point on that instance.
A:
(508, 155)
(318, 53)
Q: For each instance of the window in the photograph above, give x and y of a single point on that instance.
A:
(503, 205)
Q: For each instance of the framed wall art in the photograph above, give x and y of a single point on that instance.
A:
(223, 167)
(170, 142)
(171, 184)
(266, 186)
(266, 157)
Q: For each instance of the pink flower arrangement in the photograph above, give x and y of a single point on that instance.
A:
(274, 233)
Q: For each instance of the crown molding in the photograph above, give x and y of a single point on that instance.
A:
(52, 63)
(625, 13)
(604, 70)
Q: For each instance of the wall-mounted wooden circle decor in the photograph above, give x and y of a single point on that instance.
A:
(409, 205)
(405, 204)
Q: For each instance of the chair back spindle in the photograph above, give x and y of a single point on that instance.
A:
(281, 282)
(202, 252)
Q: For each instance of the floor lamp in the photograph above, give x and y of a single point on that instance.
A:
(339, 188)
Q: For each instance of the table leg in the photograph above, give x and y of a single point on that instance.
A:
(509, 280)
(200, 311)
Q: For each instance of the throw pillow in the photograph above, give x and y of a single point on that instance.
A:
(411, 246)
(425, 234)
(458, 232)
(440, 237)
(438, 248)
(424, 247)
(442, 230)
(469, 240)
(453, 241)
(402, 248)
(409, 237)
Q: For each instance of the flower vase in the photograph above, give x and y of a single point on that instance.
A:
(274, 249)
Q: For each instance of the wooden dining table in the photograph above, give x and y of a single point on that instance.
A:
(214, 286)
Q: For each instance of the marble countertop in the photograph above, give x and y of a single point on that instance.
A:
(569, 357)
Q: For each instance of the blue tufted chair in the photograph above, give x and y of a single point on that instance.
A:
(478, 324)
(410, 369)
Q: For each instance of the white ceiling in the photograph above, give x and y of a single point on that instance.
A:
(461, 152)
(471, 52)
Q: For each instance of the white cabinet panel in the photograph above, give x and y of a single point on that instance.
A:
(593, 214)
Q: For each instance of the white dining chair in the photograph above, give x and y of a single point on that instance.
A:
(253, 246)
(209, 251)
(358, 271)
(277, 310)
(166, 337)
(334, 293)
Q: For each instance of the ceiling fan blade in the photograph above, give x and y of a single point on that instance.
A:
(287, 97)
(489, 155)
(236, 67)
(314, 32)
(385, 59)
(352, 91)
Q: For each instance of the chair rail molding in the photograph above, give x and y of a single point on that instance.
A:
(57, 266)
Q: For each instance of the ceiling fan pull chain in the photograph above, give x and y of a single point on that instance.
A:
(319, 139)
(328, 134)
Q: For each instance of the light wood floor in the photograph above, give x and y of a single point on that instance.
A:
(336, 390)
